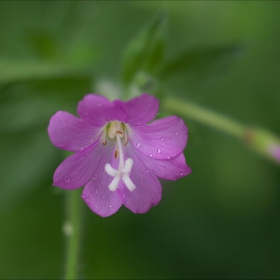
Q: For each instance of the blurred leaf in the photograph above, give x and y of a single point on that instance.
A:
(43, 43)
(146, 51)
(27, 158)
(28, 105)
(209, 59)
(14, 71)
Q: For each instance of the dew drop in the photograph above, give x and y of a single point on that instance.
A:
(138, 145)
(148, 170)
(67, 180)
(159, 151)
(103, 196)
(162, 139)
(177, 133)
(81, 148)
(110, 205)
(181, 173)
(123, 195)
(96, 191)
(168, 157)
(151, 155)
(87, 199)
(94, 178)
(96, 206)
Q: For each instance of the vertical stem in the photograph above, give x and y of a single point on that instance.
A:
(73, 231)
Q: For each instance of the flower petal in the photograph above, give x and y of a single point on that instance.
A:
(76, 170)
(148, 188)
(141, 109)
(70, 133)
(168, 169)
(96, 193)
(98, 110)
(163, 139)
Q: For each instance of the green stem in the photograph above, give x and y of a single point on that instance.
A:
(73, 232)
(204, 116)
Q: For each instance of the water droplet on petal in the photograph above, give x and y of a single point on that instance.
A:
(110, 205)
(103, 196)
(81, 148)
(83, 196)
(162, 139)
(96, 206)
(181, 173)
(159, 151)
(96, 191)
(94, 178)
(168, 157)
(87, 199)
(123, 195)
(148, 170)
(67, 180)
(138, 145)
(151, 155)
(177, 133)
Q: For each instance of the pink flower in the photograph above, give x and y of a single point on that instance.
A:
(117, 155)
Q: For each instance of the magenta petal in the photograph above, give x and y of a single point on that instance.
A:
(98, 110)
(70, 133)
(99, 198)
(148, 188)
(168, 169)
(76, 170)
(141, 109)
(163, 139)
(96, 193)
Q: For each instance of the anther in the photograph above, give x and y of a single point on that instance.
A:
(116, 154)
(119, 132)
(125, 143)
(104, 143)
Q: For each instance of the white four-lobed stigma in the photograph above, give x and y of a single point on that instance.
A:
(120, 174)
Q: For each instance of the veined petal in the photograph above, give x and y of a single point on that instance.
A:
(141, 109)
(98, 110)
(70, 133)
(148, 188)
(168, 169)
(97, 194)
(76, 170)
(162, 139)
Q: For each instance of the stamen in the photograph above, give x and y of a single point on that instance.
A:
(104, 143)
(119, 132)
(126, 141)
(116, 154)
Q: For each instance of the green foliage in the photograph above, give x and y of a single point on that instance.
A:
(146, 51)
(222, 221)
(208, 60)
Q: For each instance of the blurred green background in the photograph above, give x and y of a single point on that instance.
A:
(222, 221)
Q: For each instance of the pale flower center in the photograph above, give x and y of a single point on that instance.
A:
(117, 130)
